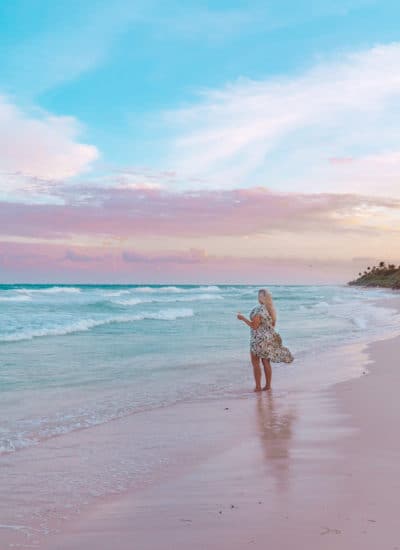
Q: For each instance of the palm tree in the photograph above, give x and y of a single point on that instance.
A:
(381, 264)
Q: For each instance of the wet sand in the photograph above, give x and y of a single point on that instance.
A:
(298, 469)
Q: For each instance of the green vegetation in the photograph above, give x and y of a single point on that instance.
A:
(383, 275)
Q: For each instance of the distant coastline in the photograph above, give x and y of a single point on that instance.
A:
(385, 276)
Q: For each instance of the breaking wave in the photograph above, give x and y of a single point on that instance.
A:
(87, 324)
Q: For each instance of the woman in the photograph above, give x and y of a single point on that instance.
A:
(265, 342)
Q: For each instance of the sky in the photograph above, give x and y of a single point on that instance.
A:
(198, 142)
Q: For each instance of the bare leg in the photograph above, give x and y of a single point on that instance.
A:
(268, 373)
(255, 361)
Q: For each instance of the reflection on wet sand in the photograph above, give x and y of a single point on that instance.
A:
(275, 419)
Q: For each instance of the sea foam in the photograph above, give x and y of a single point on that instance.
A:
(167, 299)
(15, 298)
(87, 324)
(177, 290)
(50, 290)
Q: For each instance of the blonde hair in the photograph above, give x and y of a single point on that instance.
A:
(268, 303)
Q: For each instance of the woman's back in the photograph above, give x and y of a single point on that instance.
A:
(265, 317)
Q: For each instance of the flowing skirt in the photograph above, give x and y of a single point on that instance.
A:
(267, 344)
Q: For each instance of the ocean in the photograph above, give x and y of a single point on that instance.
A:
(76, 356)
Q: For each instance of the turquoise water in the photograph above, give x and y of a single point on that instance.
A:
(76, 356)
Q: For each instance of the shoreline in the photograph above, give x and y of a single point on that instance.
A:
(265, 457)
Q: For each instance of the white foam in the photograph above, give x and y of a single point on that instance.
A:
(321, 305)
(133, 301)
(177, 290)
(211, 288)
(171, 289)
(50, 290)
(87, 324)
(167, 299)
(116, 293)
(363, 315)
(359, 322)
(169, 314)
(10, 445)
(15, 298)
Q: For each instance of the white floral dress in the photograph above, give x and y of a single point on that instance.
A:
(265, 342)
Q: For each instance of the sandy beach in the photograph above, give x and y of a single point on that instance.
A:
(306, 469)
(194, 197)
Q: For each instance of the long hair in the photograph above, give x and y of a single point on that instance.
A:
(268, 303)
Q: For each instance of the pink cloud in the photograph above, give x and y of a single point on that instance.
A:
(22, 262)
(155, 212)
(193, 256)
(76, 257)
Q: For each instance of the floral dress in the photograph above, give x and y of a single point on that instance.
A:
(265, 342)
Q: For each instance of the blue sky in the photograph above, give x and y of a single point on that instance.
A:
(115, 65)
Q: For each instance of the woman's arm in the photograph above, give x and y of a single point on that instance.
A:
(254, 323)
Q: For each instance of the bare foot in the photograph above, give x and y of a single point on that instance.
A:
(266, 388)
(258, 388)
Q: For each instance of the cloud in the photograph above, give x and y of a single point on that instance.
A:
(251, 130)
(32, 262)
(76, 257)
(123, 213)
(193, 256)
(40, 145)
(378, 173)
